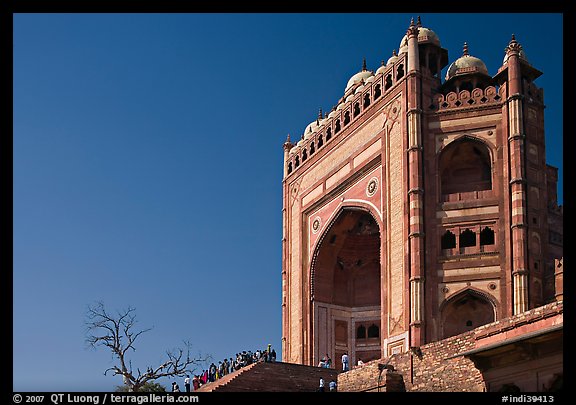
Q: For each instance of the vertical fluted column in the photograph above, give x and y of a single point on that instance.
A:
(516, 139)
(415, 189)
(285, 256)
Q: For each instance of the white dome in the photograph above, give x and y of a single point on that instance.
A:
(340, 106)
(358, 78)
(310, 129)
(332, 114)
(350, 98)
(359, 89)
(466, 64)
(392, 58)
(381, 69)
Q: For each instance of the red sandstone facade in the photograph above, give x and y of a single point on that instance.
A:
(418, 209)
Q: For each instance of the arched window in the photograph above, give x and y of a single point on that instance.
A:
(465, 166)
(400, 72)
(328, 134)
(304, 155)
(320, 141)
(486, 236)
(373, 331)
(356, 109)
(337, 127)
(388, 83)
(361, 332)
(467, 238)
(346, 117)
(448, 240)
(312, 150)
(377, 91)
(366, 100)
(289, 167)
(297, 161)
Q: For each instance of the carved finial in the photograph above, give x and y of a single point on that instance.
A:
(419, 23)
(394, 52)
(325, 115)
(364, 64)
(465, 49)
(412, 29)
(513, 46)
(320, 113)
(288, 144)
(382, 63)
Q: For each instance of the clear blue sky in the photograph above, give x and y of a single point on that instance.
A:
(148, 167)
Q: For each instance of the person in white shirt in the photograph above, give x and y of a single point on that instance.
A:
(187, 383)
(345, 366)
(321, 387)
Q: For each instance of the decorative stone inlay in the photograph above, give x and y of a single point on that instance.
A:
(372, 187)
(316, 225)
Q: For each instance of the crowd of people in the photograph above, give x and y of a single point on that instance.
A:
(227, 366)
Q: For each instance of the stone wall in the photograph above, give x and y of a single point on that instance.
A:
(433, 368)
(439, 366)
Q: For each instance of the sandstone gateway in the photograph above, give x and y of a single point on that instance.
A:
(419, 210)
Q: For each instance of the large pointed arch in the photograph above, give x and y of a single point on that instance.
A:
(466, 310)
(345, 285)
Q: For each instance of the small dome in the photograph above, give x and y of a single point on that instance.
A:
(359, 77)
(350, 98)
(311, 128)
(466, 64)
(381, 69)
(392, 58)
(425, 35)
(332, 114)
(359, 89)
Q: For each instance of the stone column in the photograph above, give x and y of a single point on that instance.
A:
(415, 189)
(517, 164)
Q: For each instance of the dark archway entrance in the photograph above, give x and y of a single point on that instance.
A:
(347, 293)
(464, 312)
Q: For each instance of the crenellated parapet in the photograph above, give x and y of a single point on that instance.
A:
(465, 99)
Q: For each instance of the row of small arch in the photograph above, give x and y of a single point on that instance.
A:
(302, 152)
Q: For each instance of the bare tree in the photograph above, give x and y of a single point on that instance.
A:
(117, 333)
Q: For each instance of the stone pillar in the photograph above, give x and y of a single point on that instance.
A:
(559, 279)
(415, 189)
(517, 164)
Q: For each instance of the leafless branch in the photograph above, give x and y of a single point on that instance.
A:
(118, 335)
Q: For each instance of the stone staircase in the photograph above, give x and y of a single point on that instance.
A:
(273, 377)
